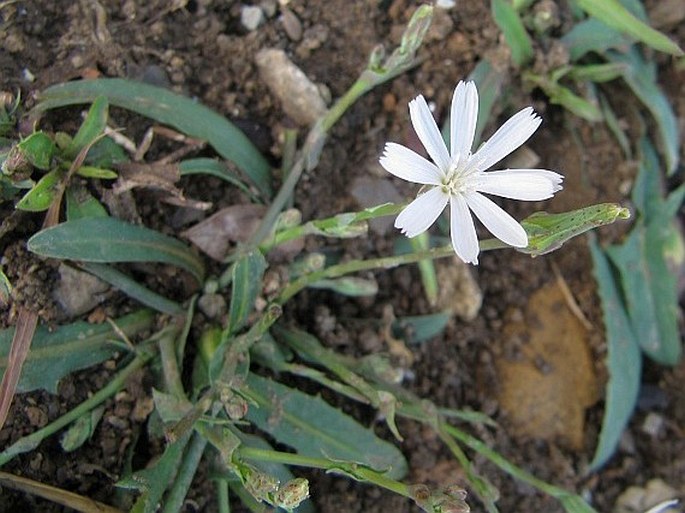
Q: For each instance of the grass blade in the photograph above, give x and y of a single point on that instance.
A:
(247, 284)
(509, 22)
(613, 14)
(625, 361)
(132, 288)
(108, 240)
(640, 76)
(172, 109)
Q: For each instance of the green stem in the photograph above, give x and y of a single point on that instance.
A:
(186, 472)
(390, 262)
(222, 495)
(345, 225)
(358, 471)
(426, 269)
(172, 375)
(31, 441)
(508, 467)
(308, 157)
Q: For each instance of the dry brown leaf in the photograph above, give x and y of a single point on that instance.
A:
(231, 224)
(546, 373)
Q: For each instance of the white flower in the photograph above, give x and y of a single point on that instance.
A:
(459, 177)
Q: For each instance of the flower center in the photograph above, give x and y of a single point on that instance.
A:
(457, 179)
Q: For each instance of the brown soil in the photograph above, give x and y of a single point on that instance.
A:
(200, 48)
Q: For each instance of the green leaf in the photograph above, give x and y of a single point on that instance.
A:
(96, 172)
(597, 72)
(38, 149)
(109, 240)
(648, 286)
(41, 196)
(578, 105)
(548, 232)
(574, 504)
(105, 153)
(624, 360)
(420, 328)
(215, 168)
(91, 128)
(509, 22)
(81, 203)
(172, 109)
(561, 95)
(247, 276)
(650, 291)
(5, 288)
(132, 288)
(592, 35)
(56, 353)
(640, 76)
(81, 430)
(316, 429)
(153, 481)
(351, 286)
(613, 14)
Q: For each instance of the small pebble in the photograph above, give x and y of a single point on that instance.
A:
(269, 7)
(291, 24)
(251, 17)
(299, 97)
(653, 424)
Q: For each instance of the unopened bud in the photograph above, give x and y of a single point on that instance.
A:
(292, 493)
(288, 219)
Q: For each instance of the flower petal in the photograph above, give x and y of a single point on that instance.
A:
(500, 224)
(510, 136)
(463, 231)
(421, 213)
(409, 165)
(425, 127)
(463, 118)
(520, 184)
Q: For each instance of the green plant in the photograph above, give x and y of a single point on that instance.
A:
(231, 394)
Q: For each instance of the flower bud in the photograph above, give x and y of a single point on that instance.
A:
(292, 493)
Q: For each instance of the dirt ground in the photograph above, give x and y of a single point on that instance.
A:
(200, 47)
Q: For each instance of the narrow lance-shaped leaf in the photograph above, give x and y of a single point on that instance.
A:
(313, 427)
(56, 353)
(641, 78)
(108, 240)
(247, 283)
(509, 22)
(615, 15)
(648, 286)
(92, 127)
(153, 481)
(172, 109)
(624, 360)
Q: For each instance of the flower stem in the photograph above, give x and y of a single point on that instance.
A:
(390, 262)
(359, 472)
(186, 472)
(508, 467)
